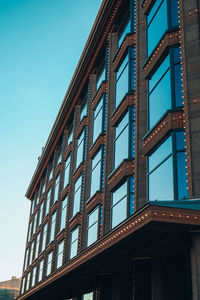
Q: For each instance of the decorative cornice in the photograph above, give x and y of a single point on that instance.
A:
(129, 40)
(94, 201)
(129, 100)
(148, 214)
(172, 120)
(127, 168)
(169, 39)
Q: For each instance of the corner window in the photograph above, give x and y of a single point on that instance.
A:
(60, 254)
(122, 202)
(167, 167)
(158, 21)
(52, 227)
(63, 213)
(74, 242)
(49, 263)
(125, 76)
(93, 224)
(165, 87)
(97, 172)
(41, 266)
(125, 138)
(77, 196)
(67, 171)
(99, 118)
(81, 145)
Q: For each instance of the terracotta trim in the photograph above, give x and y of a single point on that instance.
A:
(101, 140)
(83, 123)
(65, 191)
(94, 201)
(135, 222)
(129, 100)
(61, 236)
(129, 40)
(103, 89)
(75, 221)
(58, 169)
(172, 120)
(81, 169)
(126, 169)
(169, 39)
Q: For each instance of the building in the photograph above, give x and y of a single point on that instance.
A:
(9, 290)
(116, 196)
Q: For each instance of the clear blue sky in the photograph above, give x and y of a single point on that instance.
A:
(41, 42)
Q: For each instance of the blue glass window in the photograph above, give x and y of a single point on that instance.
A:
(93, 222)
(37, 245)
(70, 137)
(97, 172)
(41, 212)
(81, 144)
(158, 21)
(74, 242)
(165, 87)
(63, 213)
(125, 76)
(101, 76)
(125, 138)
(125, 30)
(83, 110)
(28, 281)
(99, 119)
(33, 276)
(44, 238)
(122, 202)
(48, 202)
(67, 171)
(60, 253)
(41, 266)
(167, 170)
(77, 196)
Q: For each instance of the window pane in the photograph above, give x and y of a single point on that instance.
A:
(101, 77)
(93, 217)
(121, 86)
(159, 100)
(74, 234)
(153, 10)
(157, 27)
(97, 127)
(92, 233)
(164, 150)
(178, 85)
(181, 176)
(120, 193)
(125, 31)
(174, 13)
(159, 73)
(95, 179)
(67, 170)
(180, 140)
(122, 125)
(121, 147)
(159, 178)
(119, 212)
(74, 248)
(83, 111)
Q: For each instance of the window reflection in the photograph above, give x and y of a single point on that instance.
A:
(93, 226)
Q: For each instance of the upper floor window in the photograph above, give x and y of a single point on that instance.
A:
(56, 190)
(37, 244)
(99, 119)
(93, 224)
(41, 267)
(83, 112)
(101, 76)
(70, 137)
(59, 159)
(122, 202)
(125, 138)
(26, 259)
(50, 173)
(125, 76)
(43, 186)
(22, 285)
(67, 170)
(74, 242)
(63, 213)
(49, 263)
(126, 28)
(97, 172)
(88, 296)
(60, 254)
(35, 222)
(77, 195)
(41, 213)
(31, 252)
(29, 231)
(32, 206)
(81, 145)
(162, 16)
(33, 276)
(36, 198)
(52, 227)
(167, 167)
(165, 87)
